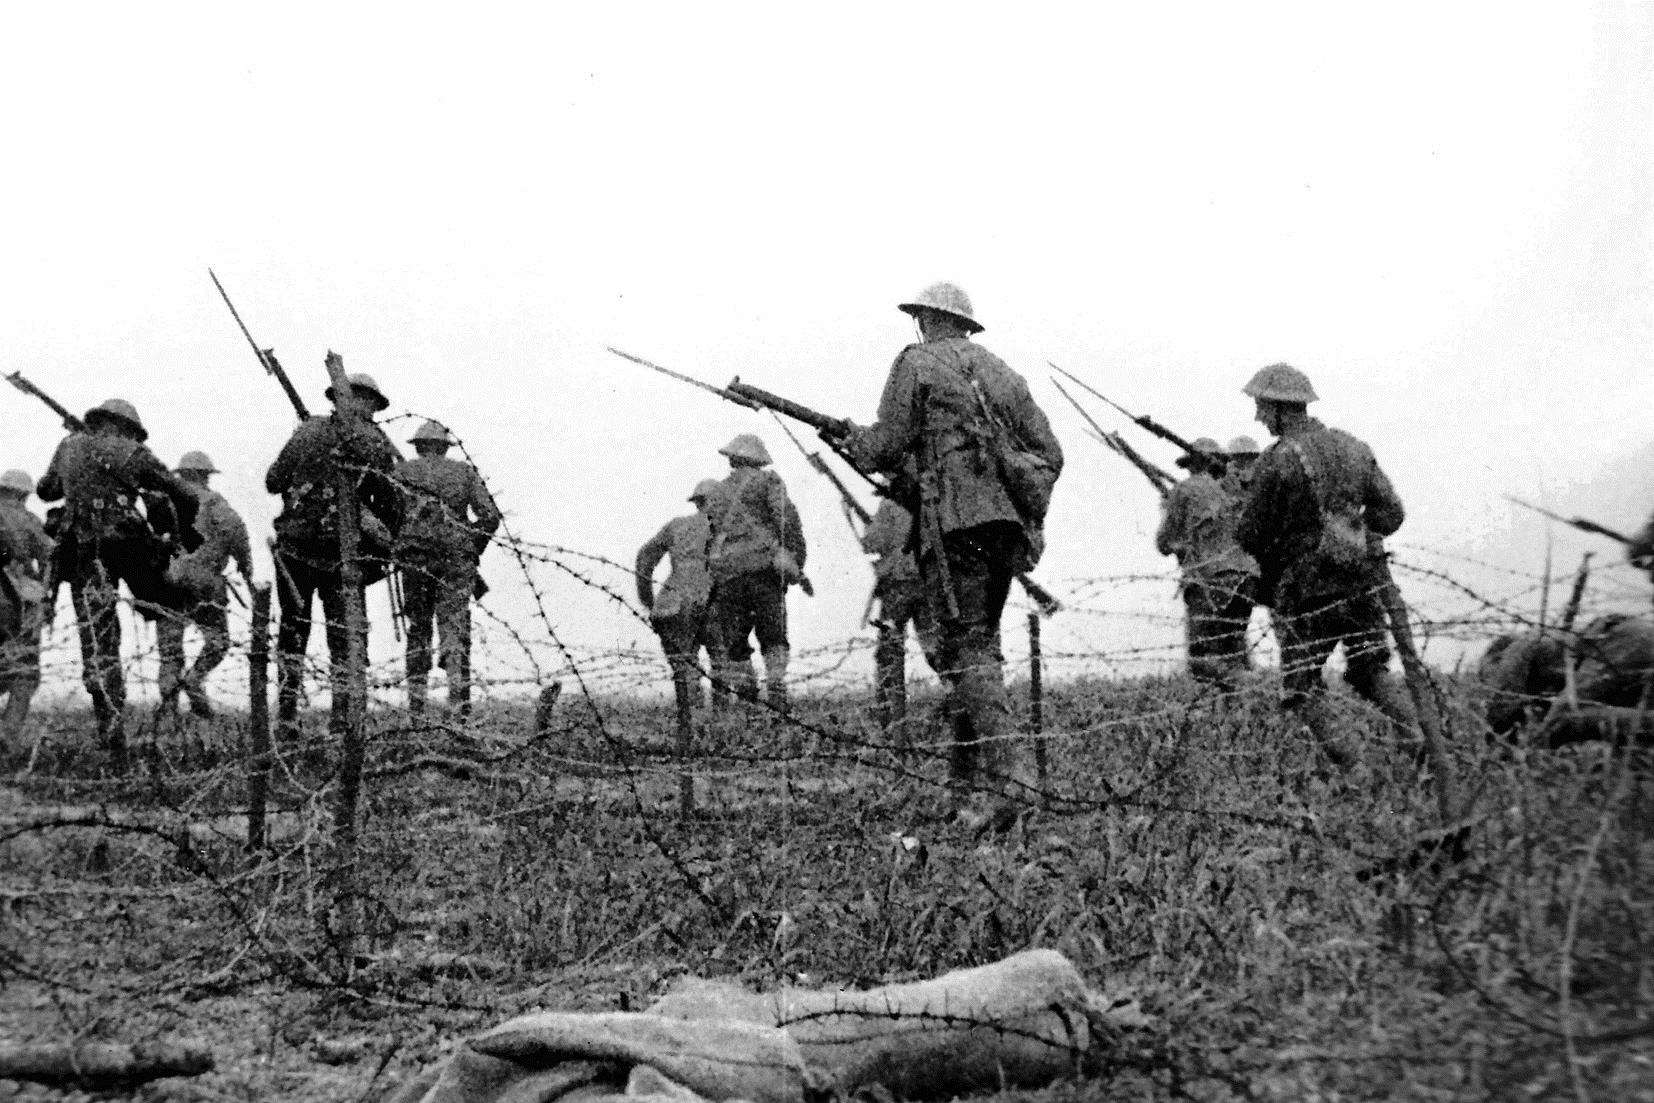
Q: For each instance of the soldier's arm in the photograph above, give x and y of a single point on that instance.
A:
(241, 548)
(50, 486)
(1383, 509)
(1032, 427)
(889, 441)
(280, 478)
(1259, 521)
(1167, 536)
(648, 558)
(483, 508)
(152, 475)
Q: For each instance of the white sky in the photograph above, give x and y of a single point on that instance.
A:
(1442, 213)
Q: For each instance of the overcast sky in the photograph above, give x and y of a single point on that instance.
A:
(1442, 213)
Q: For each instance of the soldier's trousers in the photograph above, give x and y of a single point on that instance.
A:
(754, 603)
(682, 636)
(902, 602)
(298, 583)
(439, 590)
(213, 619)
(94, 570)
(1310, 625)
(1218, 609)
(20, 669)
(979, 569)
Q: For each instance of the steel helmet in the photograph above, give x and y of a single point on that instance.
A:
(433, 432)
(747, 447)
(17, 482)
(196, 461)
(1281, 383)
(945, 298)
(1206, 446)
(707, 489)
(362, 381)
(117, 409)
(1243, 446)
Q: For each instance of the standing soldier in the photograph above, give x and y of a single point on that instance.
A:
(102, 474)
(1198, 526)
(901, 598)
(307, 535)
(1315, 520)
(986, 462)
(1237, 472)
(449, 517)
(25, 557)
(200, 577)
(757, 553)
(681, 613)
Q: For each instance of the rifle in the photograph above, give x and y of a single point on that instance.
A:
(852, 507)
(266, 357)
(1144, 421)
(70, 421)
(1579, 523)
(1160, 480)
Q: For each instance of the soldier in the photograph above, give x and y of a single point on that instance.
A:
(901, 598)
(25, 557)
(1237, 472)
(1315, 520)
(448, 519)
(1641, 549)
(986, 462)
(1198, 526)
(1525, 674)
(757, 552)
(681, 613)
(200, 576)
(307, 535)
(102, 474)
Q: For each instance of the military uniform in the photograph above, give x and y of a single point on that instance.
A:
(681, 612)
(1614, 661)
(901, 598)
(1318, 508)
(448, 519)
(105, 540)
(1198, 526)
(758, 550)
(1522, 672)
(200, 575)
(25, 553)
(307, 541)
(979, 505)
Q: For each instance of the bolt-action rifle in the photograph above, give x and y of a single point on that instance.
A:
(1162, 481)
(1579, 523)
(1144, 421)
(70, 421)
(266, 357)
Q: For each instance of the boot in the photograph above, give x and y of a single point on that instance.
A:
(200, 703)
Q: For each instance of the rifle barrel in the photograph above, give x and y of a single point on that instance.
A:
(266, 357)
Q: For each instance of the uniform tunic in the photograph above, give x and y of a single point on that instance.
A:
(758, 550)
(25, 551)
(681, 611)
(902, 601)
(223, 537)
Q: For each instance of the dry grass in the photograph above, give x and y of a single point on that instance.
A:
(1192, 855)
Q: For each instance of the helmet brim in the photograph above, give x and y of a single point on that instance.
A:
(914, 309)
(94, 416)
(380, 402)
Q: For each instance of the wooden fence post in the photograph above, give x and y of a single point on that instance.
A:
(1036, 702)
(258, 717)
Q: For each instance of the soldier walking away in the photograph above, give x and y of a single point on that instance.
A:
(448, 519)
(307, 536)
(199, 576)
(986, 461)
(901, 599)
(757, 553)
(25, 557)
(103, 475)
(681, 612)
(1219, 579)
(1315, 520)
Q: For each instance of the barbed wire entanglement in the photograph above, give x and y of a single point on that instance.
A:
(1285, 928)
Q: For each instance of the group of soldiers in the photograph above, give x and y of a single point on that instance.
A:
(967, 460)
(168, 538)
